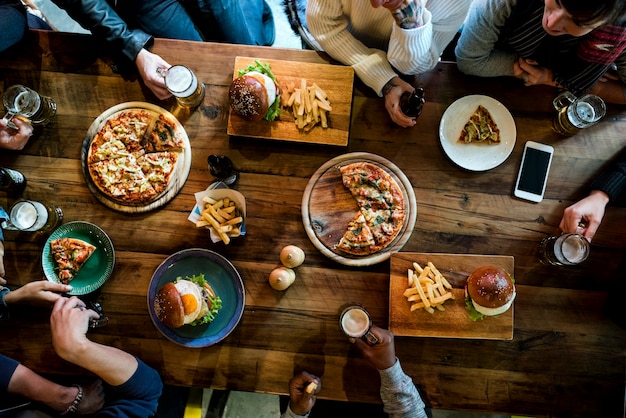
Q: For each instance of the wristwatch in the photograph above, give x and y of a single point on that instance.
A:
(4, 309)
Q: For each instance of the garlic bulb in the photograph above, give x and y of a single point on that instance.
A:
(281, 278)
(291, 256)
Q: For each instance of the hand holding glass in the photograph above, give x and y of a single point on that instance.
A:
(355, 322)
(183, 83)
(22, 101)
(564, 250)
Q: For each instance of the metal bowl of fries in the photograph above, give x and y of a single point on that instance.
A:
(222, 211)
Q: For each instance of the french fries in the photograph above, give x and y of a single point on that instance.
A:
(311, 387)
(309, 104)
(427, 288)
(221, 215)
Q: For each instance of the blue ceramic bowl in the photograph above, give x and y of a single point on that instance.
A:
(223, 278)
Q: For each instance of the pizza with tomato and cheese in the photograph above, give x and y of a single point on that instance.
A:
(133, 156)
(381, 209)
(480, 128)
(70, 255)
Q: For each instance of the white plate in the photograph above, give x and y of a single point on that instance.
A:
(476, 157)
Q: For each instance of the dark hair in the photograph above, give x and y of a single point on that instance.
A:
(585, 12)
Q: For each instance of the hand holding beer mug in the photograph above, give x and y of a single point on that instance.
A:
(564, 250)
(575, 114)
(355, 322)
(183, 84)
(32, 216)
(24, 102)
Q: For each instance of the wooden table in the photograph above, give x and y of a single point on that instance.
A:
(566, 358)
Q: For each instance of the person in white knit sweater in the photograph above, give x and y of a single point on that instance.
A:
(384, 36)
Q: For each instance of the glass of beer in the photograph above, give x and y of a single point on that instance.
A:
(24, 102)
(355, 322)
(33, 216)
(564, 250)
(574, 114)
(183, 83)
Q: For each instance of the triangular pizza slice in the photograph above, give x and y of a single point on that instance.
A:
(70, 255)
(358, 238)
(480, 128)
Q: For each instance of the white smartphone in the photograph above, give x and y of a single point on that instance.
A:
(533, 172)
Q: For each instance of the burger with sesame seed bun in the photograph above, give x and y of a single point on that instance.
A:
(255, 94)
(489, 291)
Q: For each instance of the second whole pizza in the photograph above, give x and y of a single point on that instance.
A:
(133, 155)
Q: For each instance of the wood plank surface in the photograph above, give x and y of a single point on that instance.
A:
(566, 358)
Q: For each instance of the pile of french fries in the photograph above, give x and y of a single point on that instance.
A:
(221, 215)
(309, 104)
(427, 288)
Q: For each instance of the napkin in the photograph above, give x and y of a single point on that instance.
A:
(219, 190)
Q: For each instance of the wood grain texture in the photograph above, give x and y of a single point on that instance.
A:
(454, 322)
(566, 358)
(335, 80)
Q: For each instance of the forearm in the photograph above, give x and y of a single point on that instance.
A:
(111, 364)
(329, 26)
(418, 50)
(399, 394)
(475, 51)
(30, 385)
(103, 21)
(613, 180)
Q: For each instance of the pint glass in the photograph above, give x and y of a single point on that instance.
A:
(183, 84)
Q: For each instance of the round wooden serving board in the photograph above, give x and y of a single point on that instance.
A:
(328, 207)
(177, 180)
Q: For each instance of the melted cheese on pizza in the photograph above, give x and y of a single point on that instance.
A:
(480, 128)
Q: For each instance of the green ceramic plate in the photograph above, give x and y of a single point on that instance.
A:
(96, 270)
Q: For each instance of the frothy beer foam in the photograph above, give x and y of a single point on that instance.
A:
(181, 81)
(571, 250)
(355, 322)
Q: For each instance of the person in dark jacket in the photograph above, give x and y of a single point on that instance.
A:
(129, 27)
(13, 23)
(586, 215)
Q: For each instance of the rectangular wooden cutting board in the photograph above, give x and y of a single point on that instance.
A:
(336, 80)
(454, 322)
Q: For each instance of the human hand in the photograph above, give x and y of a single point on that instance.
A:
(69, 323)
(585, 215)
(533, 73)
(381, 355)
(392, 92)
(148, 65)
(300, 401)
(12, 139)
(37, 293)
(407, 13)
(93, 398)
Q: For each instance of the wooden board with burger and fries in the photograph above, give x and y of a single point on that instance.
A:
(316, 101)
(448, 316)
